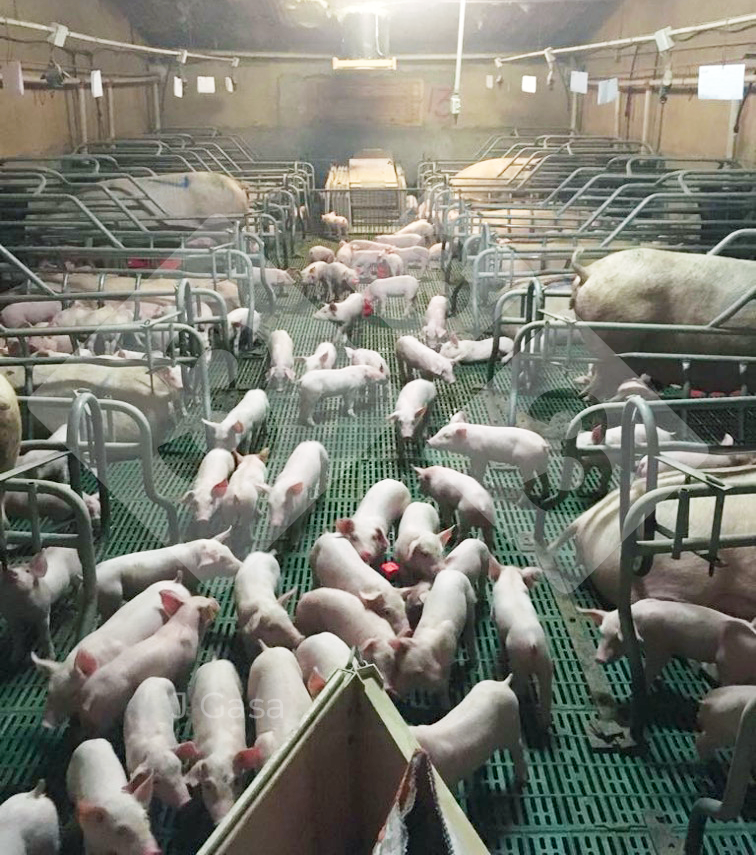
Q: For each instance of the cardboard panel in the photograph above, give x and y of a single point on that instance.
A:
(363, 99)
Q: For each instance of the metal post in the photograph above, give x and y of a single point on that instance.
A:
(618, 114)
(647, 101)
(110, 99)
(156, 107)
(458, 67)
(732, 137)
(573, 112)
(82, 96)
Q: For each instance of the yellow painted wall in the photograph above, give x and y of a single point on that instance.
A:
(46, 121)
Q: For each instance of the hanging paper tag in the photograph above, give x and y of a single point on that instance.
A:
(230, 86)
(95, 81)
(579, 82)
(608, 90)
(13, 78)
(721, 82)
(529, 83)
(178, 87)
(206, 85)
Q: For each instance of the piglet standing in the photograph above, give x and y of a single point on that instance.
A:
(457, 493)
(345, 314)
(323, 358)
(320, 253)
(151, 745)
(487, 718)
(320, 656)
(336, 564)
(219, 726)
(239, 501)
(474, 559)
(368, 528)
(339, 612)
(341, 280)
(249, 414)
(28, 592)
(719, 717)
(419, 547)
(302, 480)
(346, 383)
(169, 653)
(378, 291)
(281, 359)
(277, 698)
(390, 264)
(412, 406)
(424, 660)
(261, 615)
(110, 810)
(203, 499)
(520, 631)
(365, 356)
(400, 241)
(434, 330)
(29, 824)
(413, 354)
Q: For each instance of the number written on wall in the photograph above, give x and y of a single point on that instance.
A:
(439, 103)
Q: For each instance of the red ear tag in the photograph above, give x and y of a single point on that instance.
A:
(389, 568)
(367, 309)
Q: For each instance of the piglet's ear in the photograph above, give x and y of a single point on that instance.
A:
(461, 432)
(187, 751)
(170, 601)
(38, 565)
(238, 427)
(344, 527)
(86, 812)
(296, 489)
(596, 615)
(315, 683)
(284, 598)
(140, 786)
(248, 758)
(219, 489)
(85, 663)
(446, 535)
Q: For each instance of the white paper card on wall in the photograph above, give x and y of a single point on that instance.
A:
(178, 87)
(205, 85)
(13, 78)
(721, 82)
(95, 81)
(529, 83)
(489, 81)
(608, 90)
(230, 85)
(579, 82)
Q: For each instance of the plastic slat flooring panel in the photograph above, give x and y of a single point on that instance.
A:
(578, 801)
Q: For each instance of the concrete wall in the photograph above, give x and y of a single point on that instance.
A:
(684, 125)
(47, 121)
(273, 110)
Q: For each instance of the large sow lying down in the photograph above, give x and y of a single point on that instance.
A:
(653, 286)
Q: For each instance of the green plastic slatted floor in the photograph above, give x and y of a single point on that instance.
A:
(577, 801)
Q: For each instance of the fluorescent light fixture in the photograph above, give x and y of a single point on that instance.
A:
(95, 82)
(205, 85)
(579, 82)
(178, 87)
(529, 83)
(721, 82)
(364, 64)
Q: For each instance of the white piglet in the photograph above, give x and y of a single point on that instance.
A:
(521, 633)
(346, 383)
(719, 717)
(151, 744)
(281, 359)
(323, 358)
(261, 614)
(110, 810)
(486, 719)
(367, 530)
(203, 499)
(416, 355)
(320, 253)
(412, 406)
(239, 502)
(365, 356)
(468, 352)
(249, 414)
(457, 493)
(218, 723)
(29, 824)
(400, 241)
(434, 330)
(319, 657)
(419, 547)
(344, 314)
(379, 290)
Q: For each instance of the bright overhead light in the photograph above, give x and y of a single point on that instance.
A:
(388, 64)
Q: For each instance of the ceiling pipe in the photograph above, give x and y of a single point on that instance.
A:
(456, 101)
(721, 24)
(35, 82)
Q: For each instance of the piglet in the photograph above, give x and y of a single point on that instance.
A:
(110, 810)
(346, 383)
(365, 356)
(367, 530)
(411, 256)
(320, 253)
(315, 279)
(378, 291)
(278, 700)
(29, 313)
(468, 352)
(473, 558)
(412, 405)
(414, 354)
(698, 459)
(320, 656)
(520, 631)
(339, 612)
(19, 504)
(151, 745)
(341, 280)
(336, 564)
(138, 619)
(301, 481)
(323, 358)
(29, 824)
(261, 615)
(345, 314)
(344, 253)
(248, 415)
(418, 227)
(435, 254)
(390, 264)
(434, 330)
(424, 660)
(281, 359)
(339, 224)
(239, 501)
(203, 499)
(218, 723)
(241, 332)
(419, 547)
(400, 241)
(169, 653)
(486, 719)
(667, 628)
(57, 470)
(525, 449)
(27, 593)
(719, 716)
(123, 577)
(457, 493)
